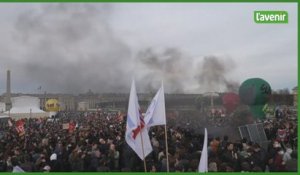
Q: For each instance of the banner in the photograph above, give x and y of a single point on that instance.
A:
(65, 126)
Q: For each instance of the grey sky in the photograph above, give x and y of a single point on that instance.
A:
(76, 47)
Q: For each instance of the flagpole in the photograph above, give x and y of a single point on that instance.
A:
(25, 141)
(145, 166)
(166, 134)
(167, 150)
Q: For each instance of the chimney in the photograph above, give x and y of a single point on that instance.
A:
(8, 93)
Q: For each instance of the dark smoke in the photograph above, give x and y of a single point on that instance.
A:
(170, 65)
(71, 48)
(232, 86)
(213, 75)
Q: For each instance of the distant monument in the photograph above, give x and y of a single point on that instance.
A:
(8, 93)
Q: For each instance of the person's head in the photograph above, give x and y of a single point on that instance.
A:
(280, 152)
(256, 147)
(102, 141)
(53, 157)
(112, 147)
(212, 167)
(17, 151)
(153, 168)
(97, 153)
(94, 146)
(109, 140)
(289, 150)
(47, 168)
(230, 146)
(276, 144)
(118, 138)
(245, 146)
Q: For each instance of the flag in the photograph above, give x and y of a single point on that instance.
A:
(72, 126)
(9, 123)
(268, 109)
(20, 127)
(156, 112)
(203, 164)
(136, 135)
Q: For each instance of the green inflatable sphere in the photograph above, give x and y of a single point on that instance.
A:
(255, 91)
(257, 111)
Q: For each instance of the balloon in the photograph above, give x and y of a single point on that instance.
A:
(52, 105)
(255, 92)
(257, 111)
(230, 101)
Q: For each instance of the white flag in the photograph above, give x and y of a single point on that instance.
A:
(203, 164)
(156, 112)
(136, 133)
(10, 123)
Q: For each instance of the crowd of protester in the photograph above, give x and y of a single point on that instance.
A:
(97, 144)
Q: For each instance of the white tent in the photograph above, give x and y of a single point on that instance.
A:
(4, 116)
(26, 107)
(2, 107)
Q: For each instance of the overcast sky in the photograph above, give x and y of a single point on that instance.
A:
(192, 47)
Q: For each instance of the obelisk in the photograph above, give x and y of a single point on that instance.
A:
(8, 93)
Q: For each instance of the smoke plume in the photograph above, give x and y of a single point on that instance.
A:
(170, 66)
(71, 48)
(213, 75)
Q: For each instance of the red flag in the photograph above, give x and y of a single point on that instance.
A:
(72, 126)
(20, 127)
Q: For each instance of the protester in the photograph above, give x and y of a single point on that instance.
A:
(96, 142)
(16, 166)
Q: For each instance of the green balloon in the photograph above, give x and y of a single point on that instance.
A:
(255, 91)
(257, 111)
